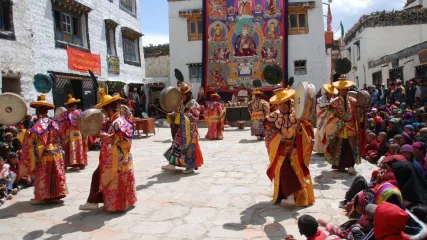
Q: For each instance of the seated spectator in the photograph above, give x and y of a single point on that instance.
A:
(397, 139)
(406, 139)
(393, 128)
(420, 153)
(8, 177)
(408, 152)
(374, 155)
(309, 228)
(372, 146)
(21, 181)
(389, 221)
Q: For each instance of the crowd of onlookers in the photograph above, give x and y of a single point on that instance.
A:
(11, 138)
(392, 204)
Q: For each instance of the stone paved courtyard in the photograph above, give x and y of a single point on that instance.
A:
(228, 198)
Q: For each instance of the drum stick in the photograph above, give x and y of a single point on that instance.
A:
(160, 109)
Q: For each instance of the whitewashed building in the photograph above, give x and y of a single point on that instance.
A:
(388, 46)
(35, 35)
(307, 55)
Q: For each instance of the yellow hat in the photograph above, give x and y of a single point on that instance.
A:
(185, 87)
(330, 89)
(106, 99)
(215, 96)
(343, 83)
(282, 95)
(257, 92)
(41, 102)
(71, 100)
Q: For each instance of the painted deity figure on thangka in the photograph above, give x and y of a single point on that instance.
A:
(321, 117)
(240, 46)
(258, 110)
(342, 130)
(73, 143)
(215, 115)
(185, 150)
(289, 146)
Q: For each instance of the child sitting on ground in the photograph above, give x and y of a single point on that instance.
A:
(7, 177)
(373, 155)
(393, 149)
(372, 146)
(20, 182)
(308, 227)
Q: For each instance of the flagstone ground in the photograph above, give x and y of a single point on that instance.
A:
(228, 198)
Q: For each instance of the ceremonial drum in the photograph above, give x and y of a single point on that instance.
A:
(305, 101)
(363, 98)
(12, 108)
(90, 122)
(170, 99)
(59, 111)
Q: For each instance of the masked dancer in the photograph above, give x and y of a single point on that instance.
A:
(342, 149)
(259, 110)
(113, 182)
(185, 150)
(73, 143)
(42, 157)
(214, 115)
(289, 146)
(321, 114)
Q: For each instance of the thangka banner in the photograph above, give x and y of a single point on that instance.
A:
(241, 38)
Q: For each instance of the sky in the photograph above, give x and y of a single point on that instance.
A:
(155, 21)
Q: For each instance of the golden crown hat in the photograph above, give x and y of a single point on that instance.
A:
(41, 102)
(343, 83)
(106, 99)
(71, 100)
(257, 92)
(185, 87)
(330, 89)
(215, 96)
(282, 95)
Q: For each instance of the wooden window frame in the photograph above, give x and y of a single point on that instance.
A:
(62, 29)
(298, 30)
(299, 68)
(197, 36)
(126, 9)
(378, 73)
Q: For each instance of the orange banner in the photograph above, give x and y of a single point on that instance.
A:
(83, 61)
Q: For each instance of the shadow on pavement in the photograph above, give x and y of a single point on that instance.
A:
(80, 222)
(165, 177)
(25, 207)
(257, 215)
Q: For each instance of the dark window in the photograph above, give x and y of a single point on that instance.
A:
(294, 20)
(300, 67)
(193, 27)
(200, 27)
(301, 20)
(11, 84)
(128, 5)
(6, 20)
(110, 35)
(195, 74)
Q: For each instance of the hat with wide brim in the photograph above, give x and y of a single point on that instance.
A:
(282, 96)
(257, 92)
(106, 99)
(215, 96)
(41, 102)
(330, 89)
(71, 100)
(185, 87)
(343, 84)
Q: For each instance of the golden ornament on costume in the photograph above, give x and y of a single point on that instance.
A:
(330, 89)
(41, 102)
(71, 100)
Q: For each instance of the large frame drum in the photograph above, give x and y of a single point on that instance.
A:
(305, 101)
(170, 99)
(13, 108)
(90, 122)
